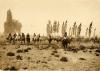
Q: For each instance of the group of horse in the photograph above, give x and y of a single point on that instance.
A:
(26, 39)
(22, 38)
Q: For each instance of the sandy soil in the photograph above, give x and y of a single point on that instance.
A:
(32, 58)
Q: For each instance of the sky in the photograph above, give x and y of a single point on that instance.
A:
(34, 14)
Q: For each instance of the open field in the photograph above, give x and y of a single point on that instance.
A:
(83, 57)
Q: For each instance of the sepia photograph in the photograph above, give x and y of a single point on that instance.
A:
(49, 35)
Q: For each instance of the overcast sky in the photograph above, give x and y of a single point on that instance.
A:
(34, 14)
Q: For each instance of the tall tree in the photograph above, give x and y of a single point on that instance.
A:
(87, 31)
(94, 32)
(64, 27)
(49, 28)
(74, 29)
(55, 27)
(90, 28)
(79, 30)
(58, 27)
(70, 31)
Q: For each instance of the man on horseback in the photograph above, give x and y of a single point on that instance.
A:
(14, 38)
(9, 38)
(65, 40)
(19, 37)
(49, 39)
(34, 38)
(28, 38)
(23, 38)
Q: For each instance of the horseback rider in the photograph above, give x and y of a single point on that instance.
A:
(65, 40)
(34, 38)
(38, 37)
(9, 38)
(14, 38)
(28, 38)
(23, 38)
(50, 39)
(19, 37)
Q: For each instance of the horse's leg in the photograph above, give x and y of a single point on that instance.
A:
(10, 41)
(24, 41)
(20, 40)
(13, 40)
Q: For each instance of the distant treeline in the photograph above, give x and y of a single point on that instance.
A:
(74, 30)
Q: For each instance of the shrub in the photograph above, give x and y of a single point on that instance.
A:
(97, 54)
(25, 50)
(55, 51)
(19, 51)
(10, 54)
(10, 69)
(82, 59)
(64, 59)
(57, 55)
(18, 57)
(29, 48)
(97, 51)
(82, 47)
(13, 68)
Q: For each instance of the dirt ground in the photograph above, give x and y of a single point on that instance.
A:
(30, 57)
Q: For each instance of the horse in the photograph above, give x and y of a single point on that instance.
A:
(9, 38)
(23, 38)
(12, 38)
(37, 38)
(65, 42)
(28, 38)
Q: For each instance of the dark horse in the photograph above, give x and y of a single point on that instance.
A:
(23, 38)
(28, 38)
(65, 41)
(9, 38)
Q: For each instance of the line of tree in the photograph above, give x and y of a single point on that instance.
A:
(74, 31)
(52, 29)
(89, 31)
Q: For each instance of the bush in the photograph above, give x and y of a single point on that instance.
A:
(52, 54)
(82, 47)
(28, 48)
(44, 62)
(97, 54)
(18, 57)
(13, 68)
(82, 59)
(10, 69)
(97, 51)
(25, 68)
(55, 51)
(6, 69)
(10, 54)
(56, 55)
(25, 50)
(64, 59)
(19, 51)
(92, 47)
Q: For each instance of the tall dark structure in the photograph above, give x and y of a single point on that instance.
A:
(11, 25)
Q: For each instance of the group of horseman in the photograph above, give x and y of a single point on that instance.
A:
(65, 40)
(22, 38)
(12, 38)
